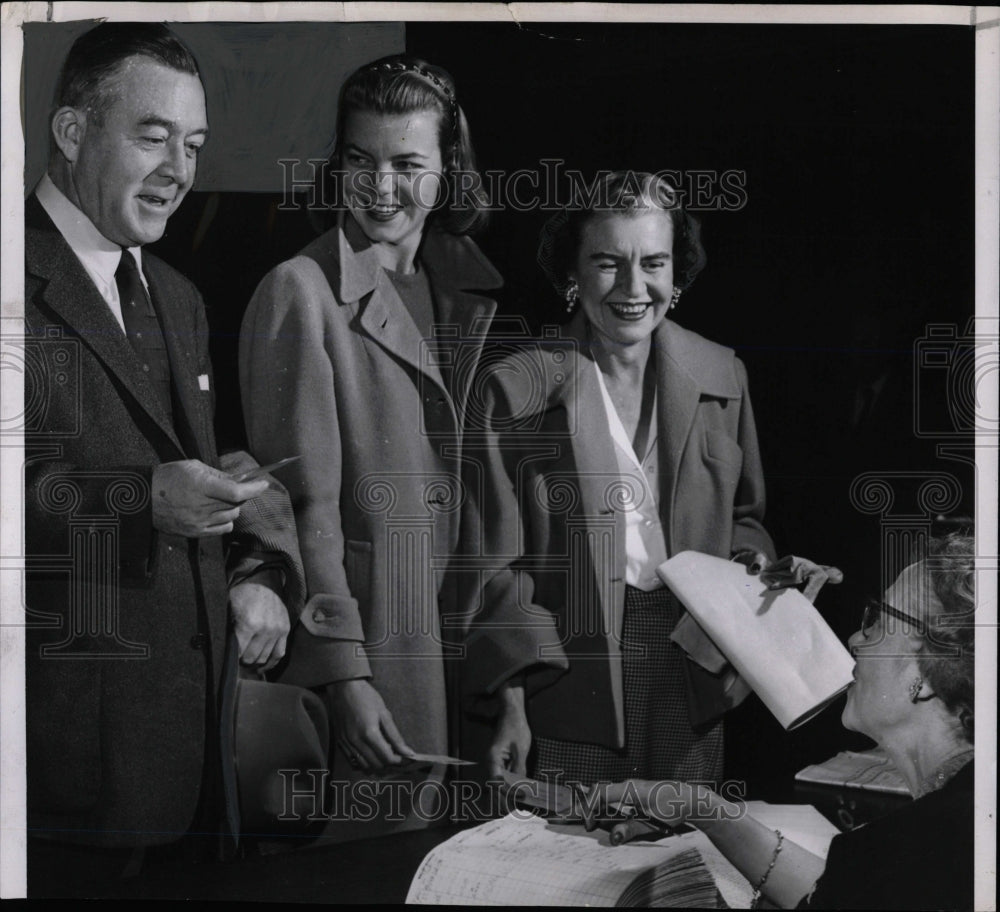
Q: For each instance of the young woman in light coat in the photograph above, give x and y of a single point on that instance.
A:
(357, 355)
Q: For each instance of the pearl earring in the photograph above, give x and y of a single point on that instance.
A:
(674, 298)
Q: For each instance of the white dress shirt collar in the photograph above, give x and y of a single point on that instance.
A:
(99, 256)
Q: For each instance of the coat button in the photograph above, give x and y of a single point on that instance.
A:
(199, 641)
(318, 616)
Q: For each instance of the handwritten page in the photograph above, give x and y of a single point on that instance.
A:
(523, 860)
(777, 640)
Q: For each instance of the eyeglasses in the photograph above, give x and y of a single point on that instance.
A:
(875, 608)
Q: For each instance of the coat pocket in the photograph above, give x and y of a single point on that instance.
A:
(722, 448)
(723, 462)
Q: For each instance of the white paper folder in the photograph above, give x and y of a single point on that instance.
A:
(777, 641)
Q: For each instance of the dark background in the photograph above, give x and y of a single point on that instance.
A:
(857, 143)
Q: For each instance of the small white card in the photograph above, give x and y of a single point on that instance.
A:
(203, 382)
(428, 759)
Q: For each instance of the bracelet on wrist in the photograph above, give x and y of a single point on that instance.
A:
(758, 890)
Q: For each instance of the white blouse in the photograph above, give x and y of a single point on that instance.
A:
(645, 545)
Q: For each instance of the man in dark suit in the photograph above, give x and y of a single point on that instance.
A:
(128, 517)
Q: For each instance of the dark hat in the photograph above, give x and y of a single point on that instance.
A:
(281, 745)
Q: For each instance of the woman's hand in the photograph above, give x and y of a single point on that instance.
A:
(512, 738)
(790, 571)
(668, 801)
(365, 730)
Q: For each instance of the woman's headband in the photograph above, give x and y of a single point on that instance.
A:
(398, 66)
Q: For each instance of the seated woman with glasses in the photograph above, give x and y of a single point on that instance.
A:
(913, 692)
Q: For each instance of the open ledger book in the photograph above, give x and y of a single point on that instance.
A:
(777, 641)
(522, 860)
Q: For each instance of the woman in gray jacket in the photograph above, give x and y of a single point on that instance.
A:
(603, 453)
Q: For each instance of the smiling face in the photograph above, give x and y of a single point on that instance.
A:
(130, 169)
(624, 269)
(886, 659)
(393, 173)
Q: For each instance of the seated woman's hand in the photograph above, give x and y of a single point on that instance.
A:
(671, 802)
(789, 571)
(365, 729)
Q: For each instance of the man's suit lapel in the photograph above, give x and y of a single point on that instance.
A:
(70, 293)
(191, 418)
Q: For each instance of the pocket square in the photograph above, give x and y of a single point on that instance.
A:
(203, 382)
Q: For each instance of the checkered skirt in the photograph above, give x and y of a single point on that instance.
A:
(659, 740)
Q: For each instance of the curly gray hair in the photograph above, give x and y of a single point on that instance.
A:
(947, 656)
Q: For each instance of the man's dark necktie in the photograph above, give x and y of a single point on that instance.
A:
(142, 327)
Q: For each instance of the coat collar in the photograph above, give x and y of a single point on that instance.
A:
(688, 368)
(74, 298)
(454, 262)
(698, 359)
(99, 256)
(454, 265)
(684, 358)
